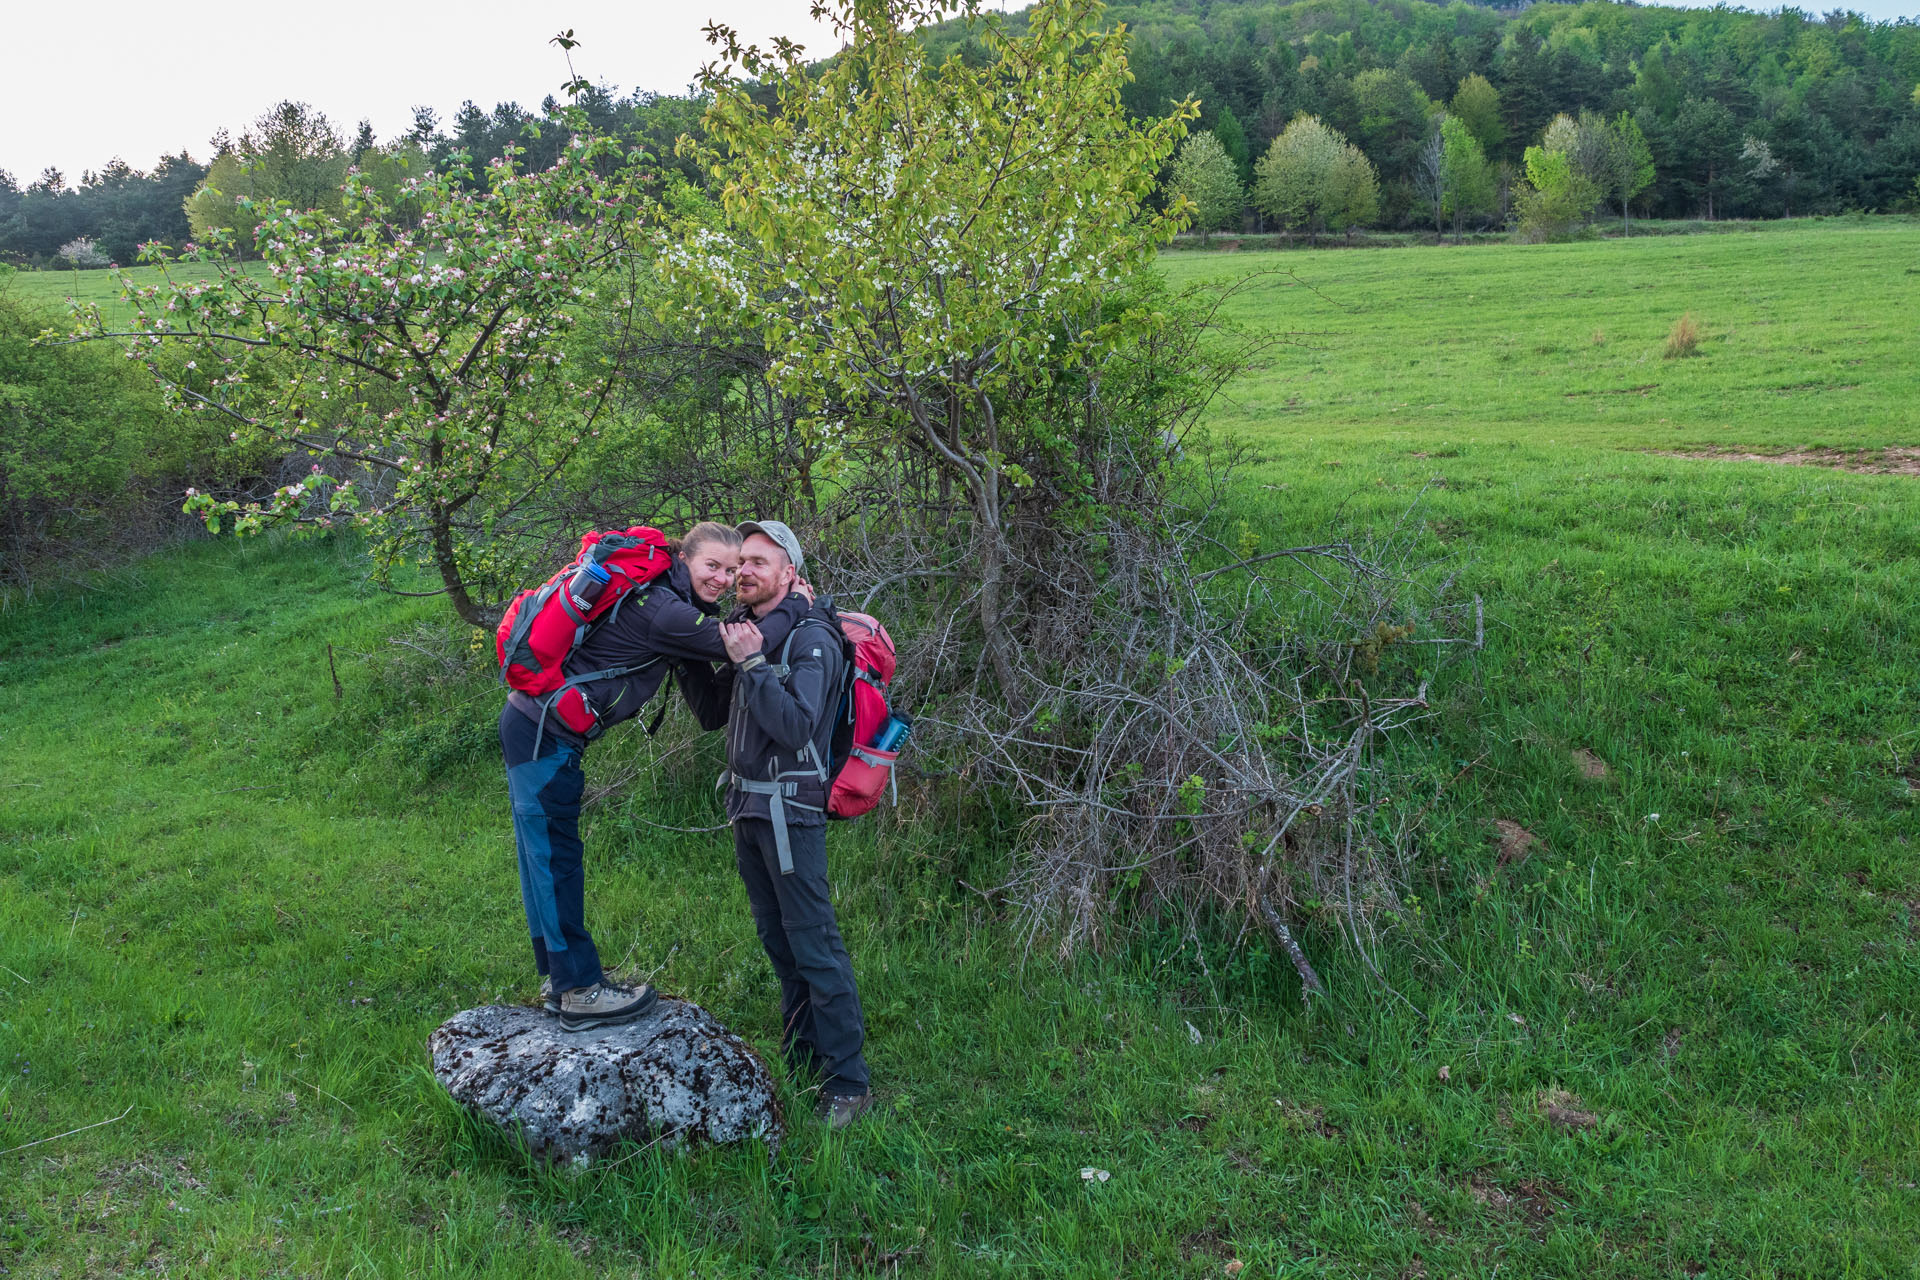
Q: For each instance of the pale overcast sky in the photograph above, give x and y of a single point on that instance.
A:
(84, 85)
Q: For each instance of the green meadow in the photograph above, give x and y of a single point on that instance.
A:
(1807, 334)
(1672, 1031)
(103, 287)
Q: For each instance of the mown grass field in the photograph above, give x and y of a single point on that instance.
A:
(1676, 1038)
(1808, 335)
(64, 289)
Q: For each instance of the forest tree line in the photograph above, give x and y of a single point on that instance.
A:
(1743, 114)
(296, 154)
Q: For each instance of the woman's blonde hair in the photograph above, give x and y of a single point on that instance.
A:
(705, 531)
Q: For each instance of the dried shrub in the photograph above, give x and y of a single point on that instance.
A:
(1188, 724)
(1684, 338)
(1199, 740)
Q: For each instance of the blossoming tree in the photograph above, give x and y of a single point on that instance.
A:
(419, 353)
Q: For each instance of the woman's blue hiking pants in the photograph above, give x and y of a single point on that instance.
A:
(546, 791)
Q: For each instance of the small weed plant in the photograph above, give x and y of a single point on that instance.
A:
(1684, 338)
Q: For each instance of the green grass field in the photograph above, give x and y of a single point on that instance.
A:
(1677, 1038)
(1808, 339)
(63, 289)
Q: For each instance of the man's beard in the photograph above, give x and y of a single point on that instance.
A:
(754, 595)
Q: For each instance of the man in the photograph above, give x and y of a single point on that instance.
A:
(780, 721)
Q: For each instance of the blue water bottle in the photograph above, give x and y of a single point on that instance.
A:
(893, 734)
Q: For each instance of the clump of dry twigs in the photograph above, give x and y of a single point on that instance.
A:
(1197, 728)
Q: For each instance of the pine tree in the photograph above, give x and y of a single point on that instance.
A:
(1233, 138)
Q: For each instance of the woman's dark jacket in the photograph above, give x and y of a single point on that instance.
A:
(656, 628)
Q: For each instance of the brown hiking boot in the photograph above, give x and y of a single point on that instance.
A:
(548, 1000)
(838, 1110)
(605, 1004)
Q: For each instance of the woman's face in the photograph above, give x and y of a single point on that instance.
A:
(711, 565)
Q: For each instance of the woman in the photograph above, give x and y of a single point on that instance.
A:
(671, 620)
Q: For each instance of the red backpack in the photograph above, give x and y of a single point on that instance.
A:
(861, 771)
(543, 625)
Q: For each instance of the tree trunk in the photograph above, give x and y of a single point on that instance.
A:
(444, 560)
(953, 432)
(443, 556)
(806, 481)
(993, 583)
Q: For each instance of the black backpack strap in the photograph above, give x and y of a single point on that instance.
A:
(665, 701)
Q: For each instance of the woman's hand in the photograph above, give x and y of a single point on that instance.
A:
(743, 640)
(804, 588)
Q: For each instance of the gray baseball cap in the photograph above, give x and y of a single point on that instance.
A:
(781, 535)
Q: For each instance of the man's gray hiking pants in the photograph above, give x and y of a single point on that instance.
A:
(819, 1004)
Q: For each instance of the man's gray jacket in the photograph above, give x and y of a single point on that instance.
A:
(779, 722)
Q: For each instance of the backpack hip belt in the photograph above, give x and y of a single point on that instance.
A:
(780, 793)
(573, 682)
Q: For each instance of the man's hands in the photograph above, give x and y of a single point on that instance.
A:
(743, 640)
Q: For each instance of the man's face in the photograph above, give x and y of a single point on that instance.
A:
(765, 572)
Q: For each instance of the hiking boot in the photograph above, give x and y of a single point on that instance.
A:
(548, 1001)
(838, 1110)
(605, 1004)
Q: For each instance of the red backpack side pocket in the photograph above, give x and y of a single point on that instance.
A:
(867, 772)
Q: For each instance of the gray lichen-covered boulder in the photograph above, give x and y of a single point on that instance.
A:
(676, 1075)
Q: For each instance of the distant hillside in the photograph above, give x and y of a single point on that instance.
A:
(1830, 102)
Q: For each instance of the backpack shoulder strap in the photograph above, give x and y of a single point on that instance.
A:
(784, 668)
(638, 589)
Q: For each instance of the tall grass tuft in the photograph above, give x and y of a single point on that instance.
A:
(1684, 338)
